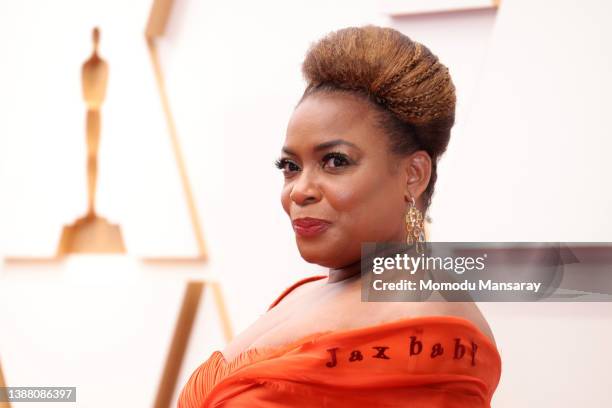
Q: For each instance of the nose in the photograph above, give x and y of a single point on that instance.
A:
(305, 189)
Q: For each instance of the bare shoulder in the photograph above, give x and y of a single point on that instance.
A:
(300, 311)
(466, 310)
(302, 289)
(352, 312)
(389, 311)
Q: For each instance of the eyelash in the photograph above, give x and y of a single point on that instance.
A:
(337, 155)
(281, 162)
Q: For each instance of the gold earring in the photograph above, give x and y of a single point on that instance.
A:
(415, 227)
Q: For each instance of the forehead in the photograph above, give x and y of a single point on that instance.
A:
(324, 116)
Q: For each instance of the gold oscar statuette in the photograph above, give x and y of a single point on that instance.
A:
(92, 233)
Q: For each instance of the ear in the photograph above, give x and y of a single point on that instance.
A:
(417, 168)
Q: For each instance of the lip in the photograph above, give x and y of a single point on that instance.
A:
(309, 227)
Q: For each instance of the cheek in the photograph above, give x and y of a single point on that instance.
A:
(343, 197)
(285, 200)
(366, 205)
(358, 192)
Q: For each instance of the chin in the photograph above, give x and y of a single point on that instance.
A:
(312, 256)
(321, 253)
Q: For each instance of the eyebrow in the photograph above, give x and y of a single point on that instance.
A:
(324, 145)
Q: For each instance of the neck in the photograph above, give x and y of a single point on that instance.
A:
(345, 272)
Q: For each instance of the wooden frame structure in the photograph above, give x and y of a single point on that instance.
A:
(155, 28)
(4, 404)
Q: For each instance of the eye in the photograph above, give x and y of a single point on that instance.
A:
(286, 165)
(336, 159)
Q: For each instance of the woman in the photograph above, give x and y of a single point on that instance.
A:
(360, 153)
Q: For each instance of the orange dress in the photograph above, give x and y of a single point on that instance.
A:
(429, 361)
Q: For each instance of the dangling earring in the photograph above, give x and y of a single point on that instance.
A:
(415, 227)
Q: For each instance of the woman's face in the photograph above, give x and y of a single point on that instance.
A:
(340, 172)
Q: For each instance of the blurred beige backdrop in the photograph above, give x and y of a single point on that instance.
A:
(528, 161)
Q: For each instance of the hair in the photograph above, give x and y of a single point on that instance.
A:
(411, 90)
